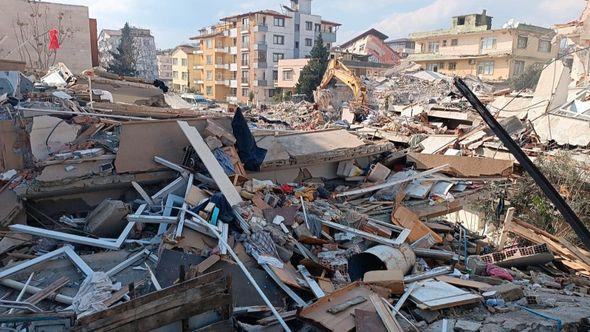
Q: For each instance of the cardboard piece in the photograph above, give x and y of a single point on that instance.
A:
(462, 166)
(390, 279)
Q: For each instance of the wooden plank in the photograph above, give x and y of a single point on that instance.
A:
(384, 313)
(48, 291)
(212, 165)
(402, 216)
(118, 295)
(199, 295)
(507, 221)
(480, 286)
(207, 263)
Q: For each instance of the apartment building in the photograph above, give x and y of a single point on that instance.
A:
(289, 72)
(403, 46)
(165, 67)
(146, 63)
(240, 56)
(372, 43)
(472, 47)
(182, 57)
(214, 55)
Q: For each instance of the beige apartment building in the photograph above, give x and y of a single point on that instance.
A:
(182, 56)
(472, 47)
(289, 71)
(240, 56)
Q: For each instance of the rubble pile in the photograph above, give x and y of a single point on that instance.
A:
(142, 214)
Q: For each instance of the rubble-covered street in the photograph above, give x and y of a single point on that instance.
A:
(420, 202)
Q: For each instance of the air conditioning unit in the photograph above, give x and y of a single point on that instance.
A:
(471, 61)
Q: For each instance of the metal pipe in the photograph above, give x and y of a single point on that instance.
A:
(568, 214)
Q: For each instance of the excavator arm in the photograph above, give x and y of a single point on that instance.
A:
(336, 69)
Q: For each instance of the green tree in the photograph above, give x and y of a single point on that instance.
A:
(251, 96)
(124, 58)
(312, 74)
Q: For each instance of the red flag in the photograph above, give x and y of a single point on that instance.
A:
(53, 40)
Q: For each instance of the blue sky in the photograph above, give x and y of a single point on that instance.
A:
(172, 22)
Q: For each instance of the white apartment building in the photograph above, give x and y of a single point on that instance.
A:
(260, 39)
(145, 50)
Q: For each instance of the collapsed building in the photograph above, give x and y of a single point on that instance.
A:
(126, 208)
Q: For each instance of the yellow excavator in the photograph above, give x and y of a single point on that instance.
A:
(337, 69)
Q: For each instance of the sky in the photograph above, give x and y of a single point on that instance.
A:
(172, 22)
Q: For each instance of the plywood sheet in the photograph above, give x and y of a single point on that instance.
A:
(434, 295)
(462, 166)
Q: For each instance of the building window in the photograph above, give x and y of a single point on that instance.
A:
(209, 59)
(488, 43)
(288, 75)
(277, 56)
(297, 27)
(208, 43)
(278, 40)
(175, 74)
(432, 67)
(209, 90)
(245, 92)
(296, 44)
(245, 59)
(245, 23)
(433, 47)
(444, 43)
(275, 75)
(522, 42)
(279, 22)
(454, 42)
(518, 67)
(318, 27)
(485, 68)
(452, 66)
(175, 62)
(244, 77)
(544, 46)
(245, 41)
(209, 75)
(184, 76)
(271, 93)
(219, 60)
(308, 26)
(219, 76)
(184, 62)
(308, 42)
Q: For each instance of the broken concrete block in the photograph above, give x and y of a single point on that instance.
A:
(429, 316)
(467, 326)
(107, 219)
(215, 129)
(390, 279)
(378, 173)
(507, 291)
(213, 142)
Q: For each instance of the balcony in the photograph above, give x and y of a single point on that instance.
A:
(261, 28)
(199, 82)
(198, 67)
(260, 46)
(245, 64)
(222, 66)
(260, 65)
(328, 37)
(198, 52)
(233, 67)
(232, 99)
(233, 50)
(221, 82)
(260, 83)
(222, 49)
(244, 82)
(233, 33)
(233, 83)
